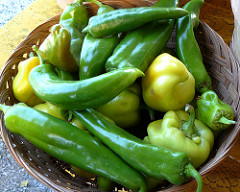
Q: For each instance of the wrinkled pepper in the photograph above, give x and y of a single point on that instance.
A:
(82, 94)
(55, 49)
(167, 84)
(188, 50)
(180, 131)
(141, 46)
(215, 113)
(62, 140)
(95, 51)
(124, 109)
(75, 18)
(155, 161)
(22, 89)
(123, 20)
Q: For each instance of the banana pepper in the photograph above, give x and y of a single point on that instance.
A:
(124, 109)
(164, 83)
(22, 89)
(55, 49)
(181, 132)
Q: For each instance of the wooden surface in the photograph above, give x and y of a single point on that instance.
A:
(216, 13)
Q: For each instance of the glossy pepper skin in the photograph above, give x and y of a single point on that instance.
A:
(215, 113)
(155, 161)
(52, 110)
(55, 49)
(187, 47)
(75, 18)
(124, 109)
(123, 20)
(62, 140)
(180, 132)
(22, 89)
(141, 46)
(164, 83)
(95, 51)
(80, 94)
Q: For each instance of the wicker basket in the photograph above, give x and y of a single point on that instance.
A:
(58, 175)
(235, 42)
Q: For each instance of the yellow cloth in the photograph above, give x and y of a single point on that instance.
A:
(14, 32)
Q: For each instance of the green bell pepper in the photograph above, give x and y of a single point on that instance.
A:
(124, 109)
(180, 132)
(55, 49)
(62, 140)
(215, 113)
(123, 20)
(155, 161)
(75, 18)
(164, 83)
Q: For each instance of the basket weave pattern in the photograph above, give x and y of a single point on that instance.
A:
(219, 62)
(235, 42)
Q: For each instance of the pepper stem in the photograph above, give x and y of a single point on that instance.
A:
(226, 121)
(4, 108)
(36, 49)
(190, 171)
(188, 127)
(98, 3)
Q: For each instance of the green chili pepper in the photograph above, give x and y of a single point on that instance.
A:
(141, 46)
(215, 113)
(95, 51)
(82, 94)
(188, 50)
(68, 143)
(122, 20)
(180, 132)
(55, 49)
(75, 19)
(155, 161)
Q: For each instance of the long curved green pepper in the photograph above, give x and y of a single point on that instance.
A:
(70, 144)
(75, 19)
(188, 50)
(81, 94)
(155, 161)
(95, 51)
(123, 20)
(140, 46)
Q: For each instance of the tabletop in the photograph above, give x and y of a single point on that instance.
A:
(24, 17)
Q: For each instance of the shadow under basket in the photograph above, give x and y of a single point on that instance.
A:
(58, 175)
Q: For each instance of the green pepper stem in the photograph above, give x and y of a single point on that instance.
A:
(190, 171)
(4, 108)
(188, 127)
(98, 3)
(226, 121)
(36, 49)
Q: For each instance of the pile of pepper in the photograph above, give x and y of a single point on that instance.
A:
(95, 82)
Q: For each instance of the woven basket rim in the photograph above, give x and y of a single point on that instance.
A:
(47, 181)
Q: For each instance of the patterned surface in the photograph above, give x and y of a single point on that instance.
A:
(10, 8)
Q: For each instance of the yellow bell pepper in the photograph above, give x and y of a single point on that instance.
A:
(167, 84)
(22, 89)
